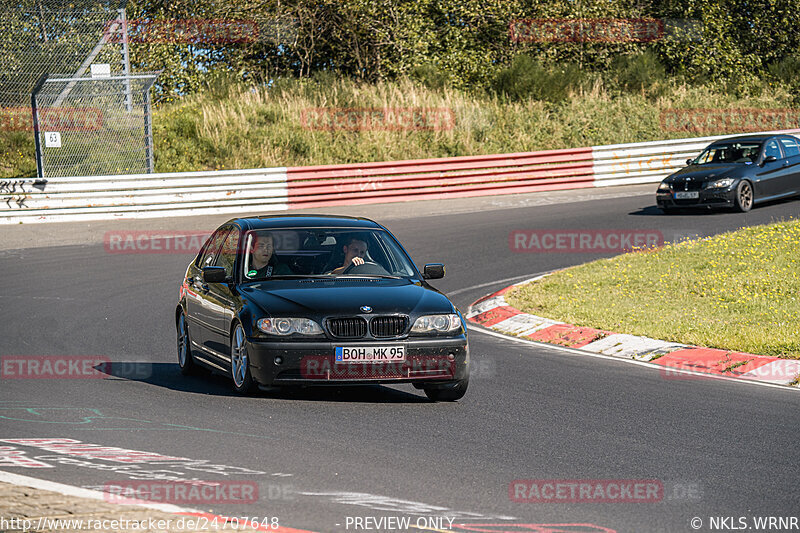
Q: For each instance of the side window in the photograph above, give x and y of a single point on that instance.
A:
(227, 255)
(212, 247)
(790, 147)
(772, 149)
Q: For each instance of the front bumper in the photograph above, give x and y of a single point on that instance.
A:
(707, 198)
(432, 360)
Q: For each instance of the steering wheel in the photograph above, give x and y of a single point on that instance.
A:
(351, 266)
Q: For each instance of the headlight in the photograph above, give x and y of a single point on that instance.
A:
(287, 326)
(436, 324)
(664, 187)
(721, 184)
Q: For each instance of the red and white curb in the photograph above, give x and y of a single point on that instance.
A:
(493, 312)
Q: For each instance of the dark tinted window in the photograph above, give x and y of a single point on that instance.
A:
(227, 255)
(212, 247)
(730, 152)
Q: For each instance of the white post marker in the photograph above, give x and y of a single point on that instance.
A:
(52, 139)
(101, 70)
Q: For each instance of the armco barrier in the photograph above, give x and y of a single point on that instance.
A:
(270, 189)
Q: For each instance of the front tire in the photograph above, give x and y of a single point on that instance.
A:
(240, 362)
(185, 360)
(744, 197)
(448, 393)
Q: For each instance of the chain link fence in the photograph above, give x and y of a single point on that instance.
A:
(93, 126)
(43, 36)
(94, 117)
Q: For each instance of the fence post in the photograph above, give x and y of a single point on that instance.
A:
(35, 112)
(126, 59)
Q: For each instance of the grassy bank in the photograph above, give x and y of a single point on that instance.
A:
(231, 126)
(736, 291)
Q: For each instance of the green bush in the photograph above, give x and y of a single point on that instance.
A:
(430, 76)
(527, 78)
(639, 73)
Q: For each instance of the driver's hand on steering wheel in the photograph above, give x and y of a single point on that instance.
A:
(357, 261)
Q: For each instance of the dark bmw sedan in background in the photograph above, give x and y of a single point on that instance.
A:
(305, 300)
(736, 172)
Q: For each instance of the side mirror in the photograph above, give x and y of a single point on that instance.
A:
(768, 159)
(214, 274)
(690, 161)
(433, 271)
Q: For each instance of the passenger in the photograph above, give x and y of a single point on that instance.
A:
(263, 263)
(354, 252)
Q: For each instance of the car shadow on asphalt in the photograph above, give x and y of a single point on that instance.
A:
(653, 211)
(201, 381)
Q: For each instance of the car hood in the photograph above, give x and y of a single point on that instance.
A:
(708, 172)
(344, 296)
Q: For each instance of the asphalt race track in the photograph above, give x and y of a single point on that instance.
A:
(319, 456)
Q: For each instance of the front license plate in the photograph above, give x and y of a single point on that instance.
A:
(366, 354)
(687, 195)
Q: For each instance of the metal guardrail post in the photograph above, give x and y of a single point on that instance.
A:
(148, 133)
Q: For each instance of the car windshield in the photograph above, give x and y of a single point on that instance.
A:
(322, 252)
(730, 152)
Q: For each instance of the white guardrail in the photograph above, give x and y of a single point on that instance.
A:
(232, 191)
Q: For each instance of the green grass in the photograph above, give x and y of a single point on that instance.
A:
(234, 126)
(736, 291)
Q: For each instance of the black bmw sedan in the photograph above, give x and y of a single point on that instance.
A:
(306, 300)
(737, 172)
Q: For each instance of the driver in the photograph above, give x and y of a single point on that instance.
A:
(354, 252)
(264, 264)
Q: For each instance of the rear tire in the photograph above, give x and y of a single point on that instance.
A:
(448, 393)
(185, 361)
(240, 362)
(744, 197)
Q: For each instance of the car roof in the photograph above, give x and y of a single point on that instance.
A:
(304, 221)
(746, 138)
